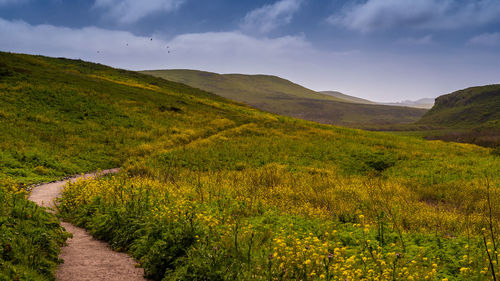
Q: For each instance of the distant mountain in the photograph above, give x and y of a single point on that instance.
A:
(421, 103)
(466, 108)
(277, 95)
(425, 103)
(347, 97)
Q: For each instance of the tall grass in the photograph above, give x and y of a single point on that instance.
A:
(272, 224)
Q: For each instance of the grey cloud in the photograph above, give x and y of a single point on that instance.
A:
(270, 17)
(376, 76)
(218, 51)
(419, 14)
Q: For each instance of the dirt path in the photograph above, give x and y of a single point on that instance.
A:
(86, 258)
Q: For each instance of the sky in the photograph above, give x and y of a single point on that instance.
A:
(382, 50)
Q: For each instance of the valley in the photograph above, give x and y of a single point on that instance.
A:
(213, 189)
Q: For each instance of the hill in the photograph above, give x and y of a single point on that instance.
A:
(347, 98)
(471, 107)
(212, 189)
(250, 89)
(471, 115)
(280, 96)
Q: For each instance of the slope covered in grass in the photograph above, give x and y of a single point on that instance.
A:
(216, 190)
(471, 115)
(471, 107)
(277, 95)
(250, 89)
(60, 117)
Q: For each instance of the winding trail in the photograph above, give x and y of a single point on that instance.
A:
(86, 258)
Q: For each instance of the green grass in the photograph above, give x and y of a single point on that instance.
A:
(280, 96)
(61, 117)
(209, 186)
(30, 238)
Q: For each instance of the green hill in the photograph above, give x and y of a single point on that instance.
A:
(61, 117)
(347, 98)
(471, 107)
(471, 115)
(280, 96)
(212, 189)
(250, 89)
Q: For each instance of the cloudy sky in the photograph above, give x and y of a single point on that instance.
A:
(384, 50)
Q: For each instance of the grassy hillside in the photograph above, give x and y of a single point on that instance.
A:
(250, 89)
(216, 190)
(61, 117)
(347, 97)
(280, 96)
(466, 108)
(471, 115)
